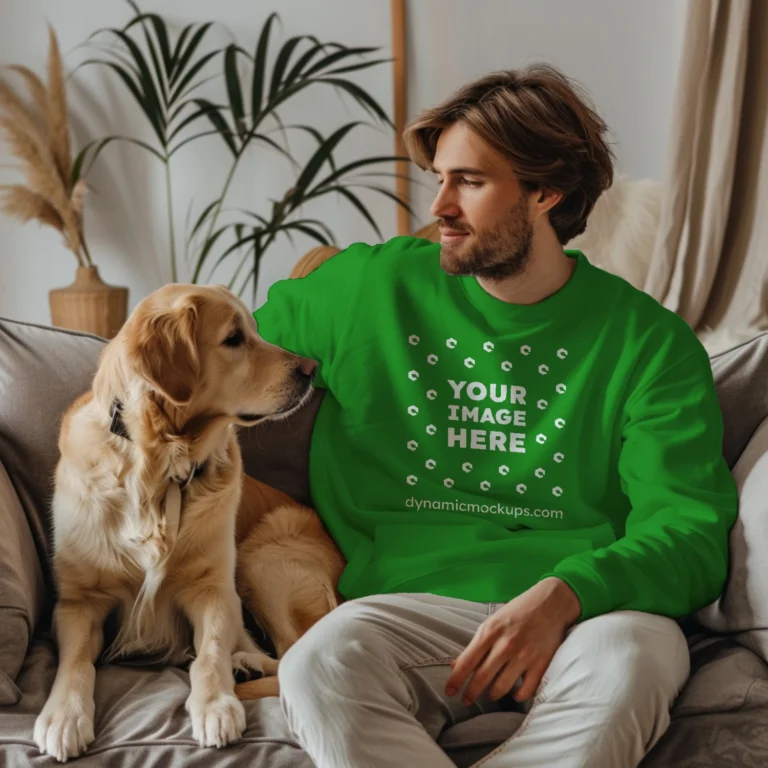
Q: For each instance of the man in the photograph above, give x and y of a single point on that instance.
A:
(518, 454)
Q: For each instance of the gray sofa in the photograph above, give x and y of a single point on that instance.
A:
(720, 719)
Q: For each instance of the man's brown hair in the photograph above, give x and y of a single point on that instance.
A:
(544, 123)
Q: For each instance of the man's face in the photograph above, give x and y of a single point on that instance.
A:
(486, 225)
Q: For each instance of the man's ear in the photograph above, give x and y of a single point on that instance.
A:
(547, 199)
(165, 351)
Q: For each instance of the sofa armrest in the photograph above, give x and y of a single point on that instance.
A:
(22, 588)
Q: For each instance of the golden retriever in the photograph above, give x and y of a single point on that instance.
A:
(145, 515)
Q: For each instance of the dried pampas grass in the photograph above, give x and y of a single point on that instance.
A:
(39, 138)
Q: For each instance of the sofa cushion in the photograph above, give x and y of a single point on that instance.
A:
(140, 720)
(277, 452)
(469, 741)
(21, 588)
(720, 719)
(42, 370)
(722, 676)
(740, 375)
(743, 606)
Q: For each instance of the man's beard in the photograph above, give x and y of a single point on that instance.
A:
(493, 255)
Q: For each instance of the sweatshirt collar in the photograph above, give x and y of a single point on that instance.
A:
(553, 307)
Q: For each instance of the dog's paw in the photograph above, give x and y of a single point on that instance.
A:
(251, 666)
(218, 721)
(64, 729)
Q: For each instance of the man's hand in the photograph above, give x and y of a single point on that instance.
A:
(519, 640)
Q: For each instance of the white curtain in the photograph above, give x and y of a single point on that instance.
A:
(710, 262)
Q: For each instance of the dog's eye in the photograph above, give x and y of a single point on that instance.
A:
(235, 339)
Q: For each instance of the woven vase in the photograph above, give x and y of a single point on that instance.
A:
(89, 305)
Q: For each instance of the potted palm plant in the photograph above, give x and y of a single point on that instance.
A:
(53, 193)
(162, 72)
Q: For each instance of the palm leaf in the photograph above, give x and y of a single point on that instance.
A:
(160, 64)
(361, 208)
(208, 245)
(281, 63)
(177, 49)
(240, 267)
(234, 90)
(189, 139)
(321, 155)
(255, 283)
(184, 57)
(318, 137)
(150, 99)
(77, 166)
(182, 97)
(319, 224)
(282, 95)
(309, 231)
(281, 127)
(345, 169)
(287, 233)
(272, 143)
(181, 88)
(88, 154)
(118, 56)
(357, 67)
(260, 68)
(299, 67)
(219, 123)
(332, 58)
(161, 33)
(190, 118)
(264, 223)
(252, 273)
(240, 241)
(136, 90)
(201, 219)
(383, 191)
(362, 97)
(125, 73)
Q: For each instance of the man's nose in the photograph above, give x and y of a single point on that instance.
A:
(444, 206)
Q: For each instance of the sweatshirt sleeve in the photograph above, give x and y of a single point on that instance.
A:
(308, 316)
(673, 557)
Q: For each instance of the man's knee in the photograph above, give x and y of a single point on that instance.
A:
(624, 656)
(340, 643)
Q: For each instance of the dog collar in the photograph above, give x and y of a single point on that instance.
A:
(197, 470)
(117, 427)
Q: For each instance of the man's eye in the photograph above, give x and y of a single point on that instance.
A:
(469, 182)
(235, 339)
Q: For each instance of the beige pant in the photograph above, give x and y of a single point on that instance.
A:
(364, 688)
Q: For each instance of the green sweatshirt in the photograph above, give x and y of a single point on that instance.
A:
(469, 447)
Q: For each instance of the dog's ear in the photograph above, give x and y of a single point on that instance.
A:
(166, 351)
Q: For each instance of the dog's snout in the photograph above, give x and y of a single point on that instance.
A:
(306, 368)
